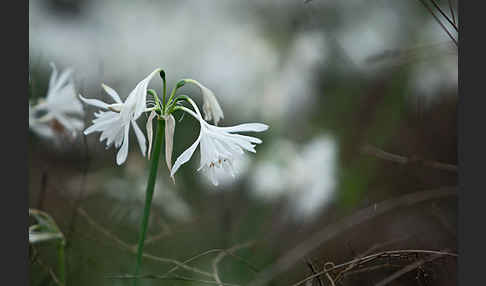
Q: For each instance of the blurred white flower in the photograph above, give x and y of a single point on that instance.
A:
(219, 146)
(60, 109)
(114, 124)
(40, 128)
(306, 177)
(211, 108)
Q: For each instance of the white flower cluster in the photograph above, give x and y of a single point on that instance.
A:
(220, 146)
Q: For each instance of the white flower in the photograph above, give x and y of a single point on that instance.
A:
(60, 107)
(220, 147)
(41, 128)
(211, 108)
(114, 124)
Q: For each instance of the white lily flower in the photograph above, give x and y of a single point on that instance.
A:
(114, 124)
(220, 146)
(211, 108)
(60, 106)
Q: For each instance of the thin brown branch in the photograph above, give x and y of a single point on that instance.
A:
(164, 277)
(372, 150)
(313, 269)
(444, 15)
(452, 12)
(327, 266)
(333, 230)
(375, 256)
(222, 255)
(102, 230)
(367, 252)
(407, 269)
(194, 258)
(438, 21)
(50, 271)
(370, 268)
(132, 250)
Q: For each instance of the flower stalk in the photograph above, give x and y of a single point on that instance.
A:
(149, 194)
(62, 262)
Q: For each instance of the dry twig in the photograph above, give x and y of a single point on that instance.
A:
(333, 230)
(407, 268)
(221, 255)
(440, 23)
(372, 150)
(369, 258)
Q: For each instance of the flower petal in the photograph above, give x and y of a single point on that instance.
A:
(122, 154)
(169, 140)
(137, 99)
(245, 127)
(150, 132)
(140, 138)
(112, 93)
(94, 102)
(185, 156)
(52, 79)
(62, 79)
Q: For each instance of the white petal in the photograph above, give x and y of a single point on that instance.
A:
(211, 107)
(62, 79)
(94, 102)
(122, 154)
(107, 121)
(212, 176)
(52, 80)
(140, 138)
(185, 156)
(247, 138)
(150, 132)
(245, 127)
(112, 93)
(169, 139)
(138, 97)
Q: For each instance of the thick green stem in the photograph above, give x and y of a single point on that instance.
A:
(149, 194)
(61, 262)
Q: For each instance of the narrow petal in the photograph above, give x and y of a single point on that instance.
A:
(112, 93)
(212, 176)
(138, 96)
(150, 132)
(122, 154)
(247, 138)
(169, 139)
(245, 127)
(211, 108)
(52, 80)
(140, 138)
(63, 78)
(94, 102)
(185, 156)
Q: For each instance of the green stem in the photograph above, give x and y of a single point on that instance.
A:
(62, 261)
(172, 94)
(149, 194)
(164, 93)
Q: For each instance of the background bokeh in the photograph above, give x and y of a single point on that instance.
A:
(328, 77)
